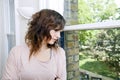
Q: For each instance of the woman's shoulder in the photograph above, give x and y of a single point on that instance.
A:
(19, 54)
(20, 47)
(59, 52)
(19, 50)
(60, 49)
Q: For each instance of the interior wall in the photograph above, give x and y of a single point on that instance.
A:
(21, 22)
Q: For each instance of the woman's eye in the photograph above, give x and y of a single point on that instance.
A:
(56, 30)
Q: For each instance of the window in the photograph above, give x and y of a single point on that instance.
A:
(81, 17)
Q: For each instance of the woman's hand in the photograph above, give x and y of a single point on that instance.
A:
(58, 79)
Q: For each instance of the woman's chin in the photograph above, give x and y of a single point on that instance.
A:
(51, 43)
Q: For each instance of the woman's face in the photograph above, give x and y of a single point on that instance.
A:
(55, 35)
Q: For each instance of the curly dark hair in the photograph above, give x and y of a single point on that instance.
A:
(39, 28)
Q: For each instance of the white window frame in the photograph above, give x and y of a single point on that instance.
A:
(57, 5)
(98, 25)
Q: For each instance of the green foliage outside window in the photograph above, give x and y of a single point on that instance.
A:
(104, 40)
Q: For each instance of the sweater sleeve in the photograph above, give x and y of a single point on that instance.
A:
(10, 71)
(63, 75)
(62, 65)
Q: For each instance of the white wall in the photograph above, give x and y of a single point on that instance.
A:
(21, 22)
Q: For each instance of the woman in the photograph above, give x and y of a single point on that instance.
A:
(40, 58)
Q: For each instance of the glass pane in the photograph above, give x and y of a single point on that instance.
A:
(100, 53)
(99, 49)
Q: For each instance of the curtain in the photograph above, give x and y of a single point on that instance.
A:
(7, 29)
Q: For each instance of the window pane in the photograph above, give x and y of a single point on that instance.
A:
(100, 52)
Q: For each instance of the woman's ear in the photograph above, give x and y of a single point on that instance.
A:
(52, 32)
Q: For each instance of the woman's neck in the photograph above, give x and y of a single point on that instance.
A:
(43, 54)
(44, 46)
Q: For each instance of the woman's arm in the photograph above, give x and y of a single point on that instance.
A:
(62, 66)
(64, 73)
(10, 70)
